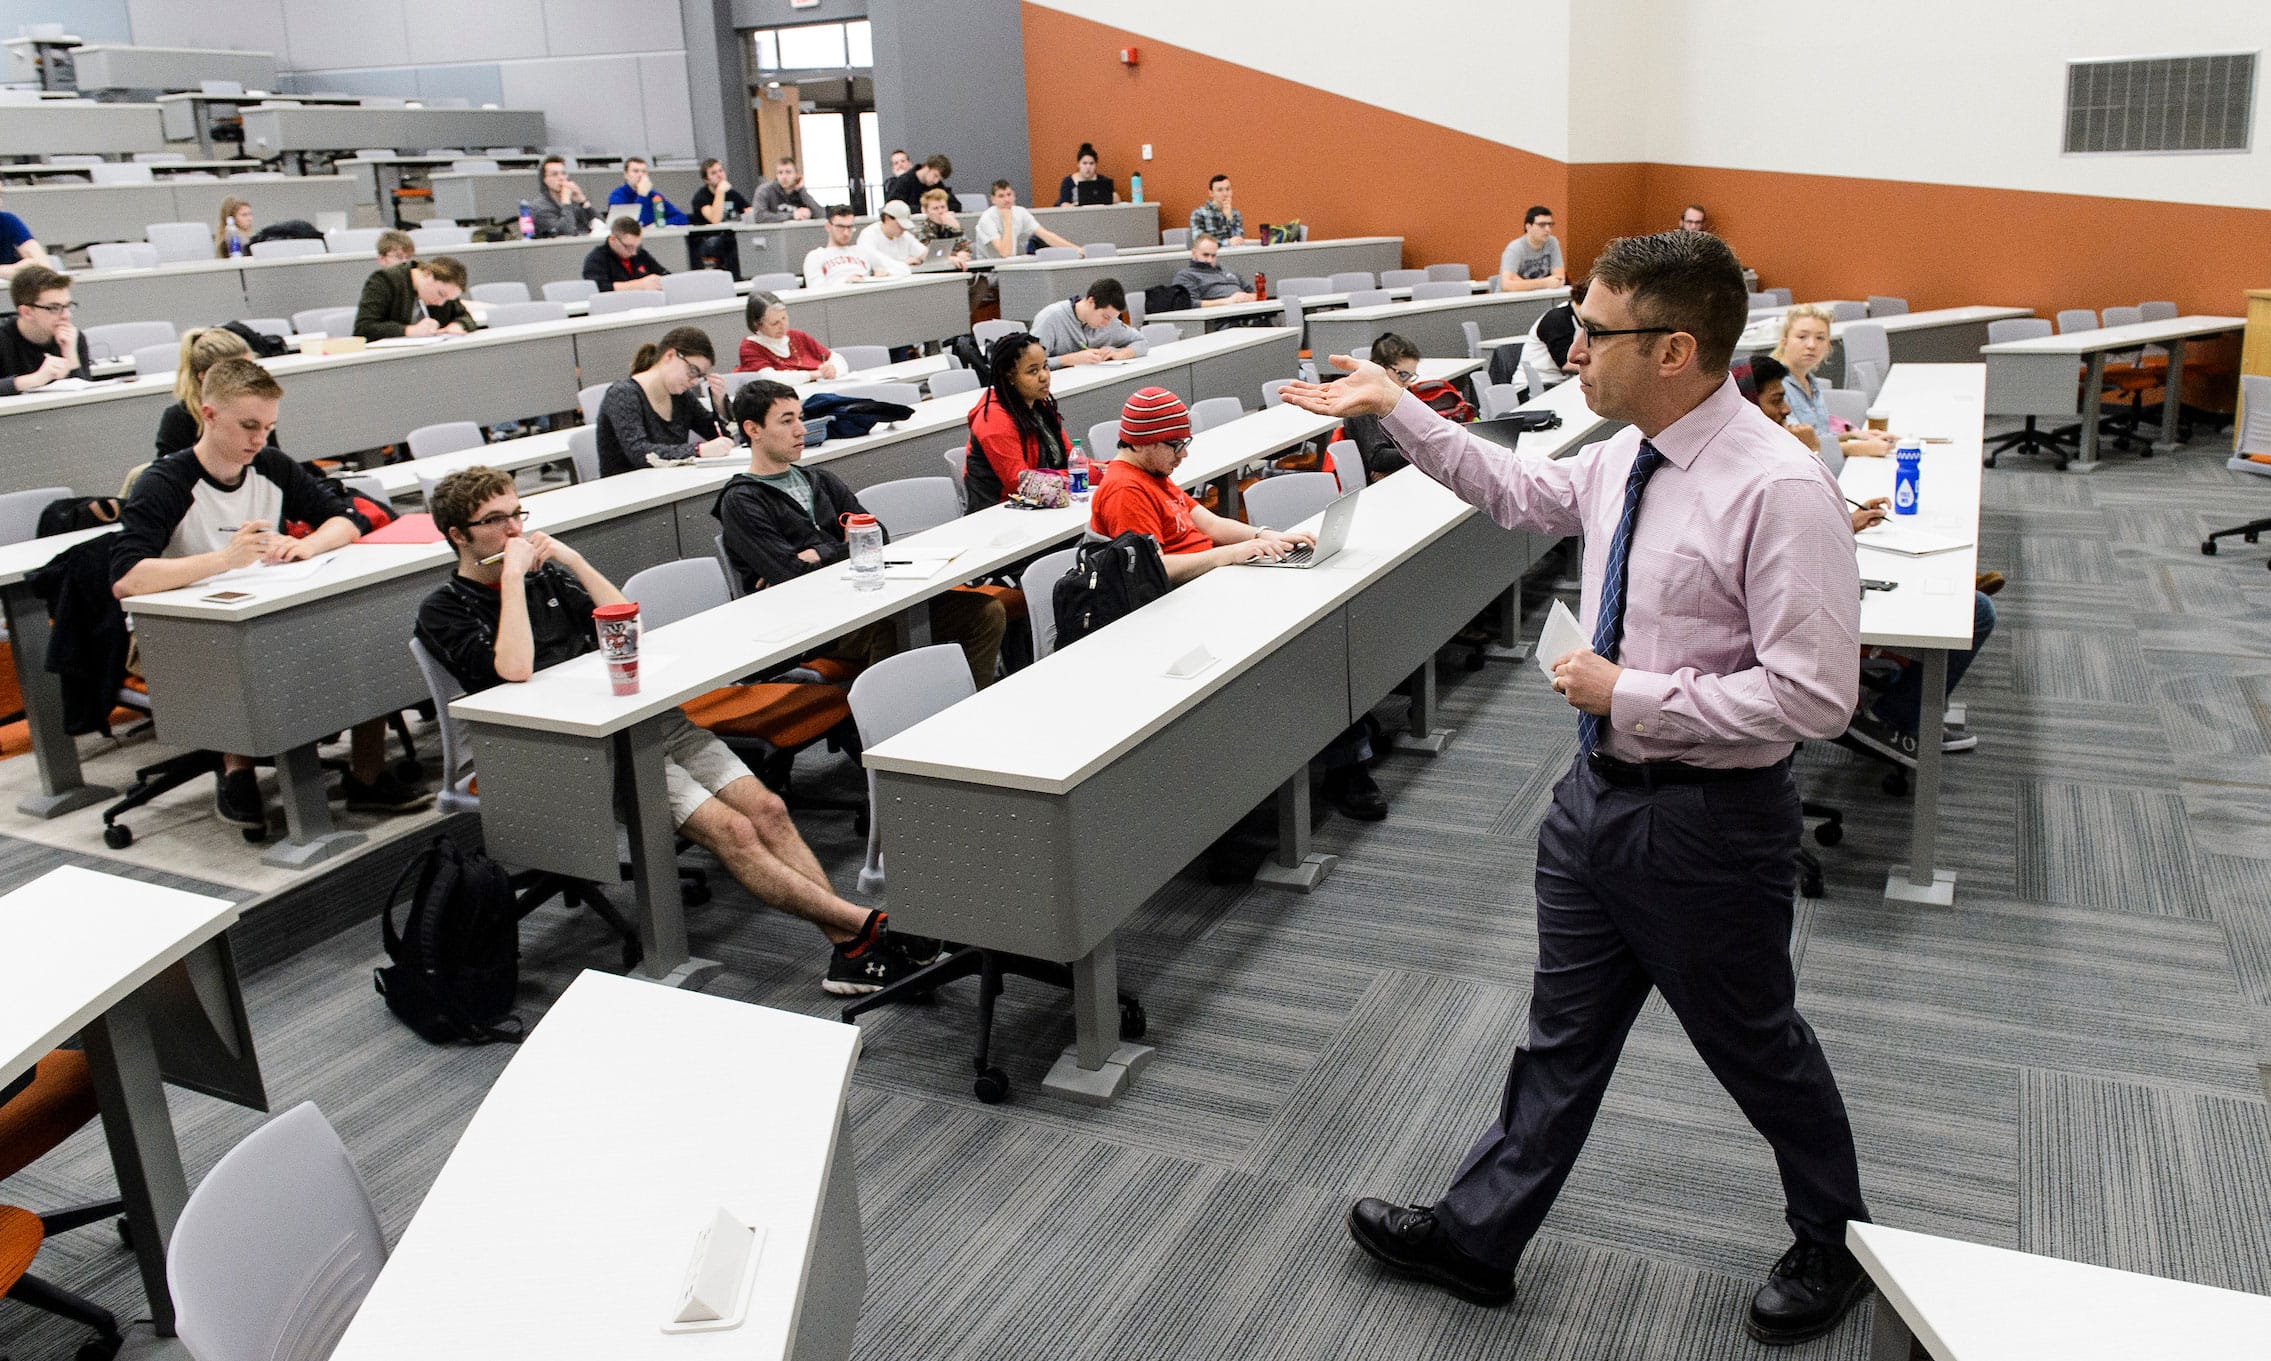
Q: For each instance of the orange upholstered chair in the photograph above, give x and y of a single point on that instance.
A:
(57, 1104)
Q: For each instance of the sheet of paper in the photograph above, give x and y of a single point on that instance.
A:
(1560, 637)
(270, 573)
(1910, 540)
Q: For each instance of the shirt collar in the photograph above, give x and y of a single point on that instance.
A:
(1686, 437)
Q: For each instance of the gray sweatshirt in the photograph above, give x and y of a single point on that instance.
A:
(1061, 333)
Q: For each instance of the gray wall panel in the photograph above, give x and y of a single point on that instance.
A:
(951, 78)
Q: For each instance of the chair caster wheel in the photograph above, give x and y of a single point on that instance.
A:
(253, 838)
(1829, 834)
(118, 836)
(101, 1349)
(2207, 548)
(1896, 784)
(1132, 1020)
(992, 1086)
(1810, 886)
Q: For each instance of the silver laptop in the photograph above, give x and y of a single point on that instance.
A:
(1330, 539)
(939, 255)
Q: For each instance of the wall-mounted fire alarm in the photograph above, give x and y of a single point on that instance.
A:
(1130, 57)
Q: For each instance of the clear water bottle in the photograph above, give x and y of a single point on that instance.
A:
(865, 537)
(236, 241)
(527, 222)
(1076, 472)
(1908, 471)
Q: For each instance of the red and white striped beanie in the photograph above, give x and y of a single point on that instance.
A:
(1154, 416)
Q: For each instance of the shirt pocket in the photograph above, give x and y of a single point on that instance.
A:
(1664, 594)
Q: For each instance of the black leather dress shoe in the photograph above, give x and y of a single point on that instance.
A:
(1407, 1239)
(1806, 1293)
(1354, 792)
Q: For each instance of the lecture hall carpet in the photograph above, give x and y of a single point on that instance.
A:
(2068, 1063)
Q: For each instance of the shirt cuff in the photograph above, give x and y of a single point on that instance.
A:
(1409, 420)
(1637, 702)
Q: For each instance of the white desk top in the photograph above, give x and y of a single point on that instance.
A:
(1446, 370)
(20, 560)
(784, 622)
(1932, 606)
(2120, 337)
(1388, 311)
(564, 1220)
(73, 942)
(1230, 311)
(512, 455)
(1969, 1302)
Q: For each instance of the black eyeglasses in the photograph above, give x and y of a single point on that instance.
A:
(1404, 377)
(54, 309)
(492, 521)
(1590, 334)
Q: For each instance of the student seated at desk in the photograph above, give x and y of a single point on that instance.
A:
(1015, 427)
(637, 190)
(1005, 230)
(1088, 329)
(396, 247)
(233, 234)
(229, 501)
(1886, 725)
(782, 521)
(1138, 494)
(519, 603)
(716, 202)
(784, 198)
(1216, 218)
(655, 415)
(417, 298)
(620, 263)
(1381, 455)
(561, 207)
(1804, 345)
(1546, 347)
(891, 237)
(1084, 187)
(780, 351)
(909, 186)
(1532, 260)
(843, 262)
(40, 343)
(940, 224)
(1204, 278)
(18, 247)
(179, 425)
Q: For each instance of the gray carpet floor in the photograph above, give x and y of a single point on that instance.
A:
(2070, 1062)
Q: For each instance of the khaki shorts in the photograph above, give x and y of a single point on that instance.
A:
(696, 767)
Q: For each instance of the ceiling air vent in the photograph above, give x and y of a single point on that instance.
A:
(2159, 104)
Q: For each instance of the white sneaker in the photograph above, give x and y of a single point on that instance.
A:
(1951, 740)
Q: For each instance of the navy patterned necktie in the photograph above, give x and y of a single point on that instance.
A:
(1608, 624)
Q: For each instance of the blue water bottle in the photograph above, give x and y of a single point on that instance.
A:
(1135, 187)
(527, 222)
(1908, 469)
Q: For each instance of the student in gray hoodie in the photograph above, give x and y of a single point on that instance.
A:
(1088, 329)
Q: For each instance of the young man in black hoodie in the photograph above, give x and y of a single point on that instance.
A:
(782, 520)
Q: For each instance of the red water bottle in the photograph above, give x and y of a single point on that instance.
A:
(1261, 286)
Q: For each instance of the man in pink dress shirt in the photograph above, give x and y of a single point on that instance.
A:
(1723, 599)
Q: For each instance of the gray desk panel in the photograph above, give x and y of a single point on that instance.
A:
(278, 288)
(300, 196)
(1053, 876)
(1321, 259)
(104, 67)
(787, 243)
(2033, 384)
(86, 447)
(569, 783)
(1241, 373)
(1396, 625)
(186, 297)
(270, 132)
(605, 354)
(1435, 331)
(1027, 288)
(910, 314)
(363, 406)
(1955, 343)
(62, 215)
(1125, 225)
(74, 128)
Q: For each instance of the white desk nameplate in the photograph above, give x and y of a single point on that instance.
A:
(716, 1296)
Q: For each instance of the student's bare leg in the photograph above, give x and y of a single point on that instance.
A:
(231, 763)
(730, 834)
(749, 797)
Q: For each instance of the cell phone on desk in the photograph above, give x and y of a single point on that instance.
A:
(227, 597)
(1869, 584)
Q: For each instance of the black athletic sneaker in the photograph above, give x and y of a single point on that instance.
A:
(1879, 738)
(236, 800)
(873, 969)
(389, 793)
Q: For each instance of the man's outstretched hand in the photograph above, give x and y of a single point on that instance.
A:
(1367, 391)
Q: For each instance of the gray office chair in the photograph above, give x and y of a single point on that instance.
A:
(1497, 399)
(1348, 463)
(1057, 253)
(956, 458)
(2076, 319)
(1760, 302)
(286, 249)
(2156, 311)
(1214, 411)
(511, 290)
(473, 165)
(1450, 273)
(1534, 381)
(277, 1246)
(446, 437)
(325, 321)
(1868, 356)
(2027, 439)
(369, 488)
(1175, 236)
(1847, 310)
(697, 285)
(1369, 297)
(19, 513)
(526, 313)
(1291, 313)
(890, 697)
(898, 394)
(910, 505)
(1039, 583)
(948, 382)
(1442, 288)
(1471, 331)
(1160, 333)
(120, 172)
(1302, 285)
(736, 380)
(670, 591)
(1104, 440)
(607, 304)
(456, 794)
(987, 332)
(859, 357)
(1882, 306)
(583, 452)
(570, 290)
(1097, 250)
(1270, 395)
(1850, 405)
(1349, 281)
(733, 588)
(1290, 498)
(2254, 437)
(1402, 278)
(122, 255)
(1781, 296)
(157, 359)
(122, 338)
(589, 398)
(352, 240)
(775, 283)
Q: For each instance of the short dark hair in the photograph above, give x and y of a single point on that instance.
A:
(625, 225)
(943, 166)
(548, 162)
(1695, 208)
(457, 496)
(1536, 211)
(33, 280)
(755, 400)
(707, 162)
(1388, 348)
(997, 186)
(1108, 293)
(1765, 369)
(445, 269)
(836, 210)
(900, 151)
(785, 160)
(629, 161)
(1689, 281)
(1215, 181)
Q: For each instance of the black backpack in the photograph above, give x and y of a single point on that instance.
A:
(457, 958)
(70, 514)
(1108, 581)
(973, 356)
(264, 345)
(1167, 298)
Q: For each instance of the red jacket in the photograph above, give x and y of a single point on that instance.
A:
(804, 353)
(1000, 452)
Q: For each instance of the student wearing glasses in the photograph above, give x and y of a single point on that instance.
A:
(1381, 456)
(1532, 260)
(1694, 219)
(667, 410)
(561, 207)
(40, 343)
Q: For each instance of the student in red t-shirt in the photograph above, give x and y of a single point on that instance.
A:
(779, 351)
(1138, 493)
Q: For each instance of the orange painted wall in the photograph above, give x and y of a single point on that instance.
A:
(1349, 169)
(1340, 165)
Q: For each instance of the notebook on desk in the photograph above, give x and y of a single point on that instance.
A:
(1910, 540)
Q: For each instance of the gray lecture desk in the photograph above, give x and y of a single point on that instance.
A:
(120, 66)
(1029, 847)
(1211, 318)
(206, 661)
(1028, 285)
(63, 215)
(144, 976)
(272, 130)
(1434, 325)
(33, 172)
(1940, 335)
(75, 126)
(189, 115)
(2036, 377)
(495, 195)
(711, 1104)
(548, 749)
